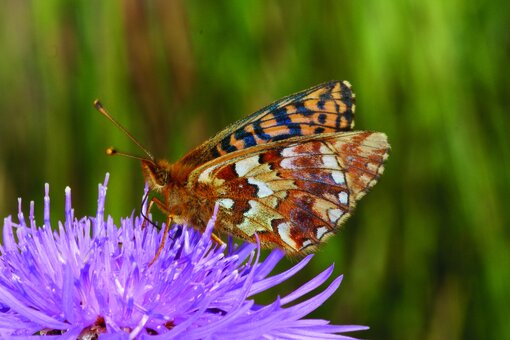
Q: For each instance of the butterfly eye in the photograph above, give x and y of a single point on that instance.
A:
(161, 176)
(155, 174)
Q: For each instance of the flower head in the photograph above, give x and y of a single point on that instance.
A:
(88, 278)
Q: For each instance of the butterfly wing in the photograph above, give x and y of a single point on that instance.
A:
(328, 107)
(292, 193)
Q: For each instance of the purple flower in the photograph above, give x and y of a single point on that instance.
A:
(86, 277)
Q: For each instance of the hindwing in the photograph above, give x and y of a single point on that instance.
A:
(295, 192)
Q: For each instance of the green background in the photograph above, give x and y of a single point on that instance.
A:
(427, 254)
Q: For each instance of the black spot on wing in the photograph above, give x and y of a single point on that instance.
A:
(302, 109)
(226, 146)
(346, 95)
(259, 131)
(281, 116)
(295, 129)
(283, 120)
(349, 100)
(338, 118)
(247, 137)
(322, 118)
(326, 95)
(215, 152)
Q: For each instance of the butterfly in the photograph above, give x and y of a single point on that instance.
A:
(290, 173)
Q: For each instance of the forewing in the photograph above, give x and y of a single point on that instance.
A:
(325, 108)
(293, 193)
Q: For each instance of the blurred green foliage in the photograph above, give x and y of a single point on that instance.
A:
(427, 254)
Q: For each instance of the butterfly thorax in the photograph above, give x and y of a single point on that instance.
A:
(179, 202)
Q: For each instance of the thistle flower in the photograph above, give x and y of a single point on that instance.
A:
(89, 278)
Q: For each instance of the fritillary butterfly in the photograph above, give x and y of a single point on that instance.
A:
(291, 172)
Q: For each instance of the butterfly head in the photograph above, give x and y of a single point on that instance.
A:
(157, 174)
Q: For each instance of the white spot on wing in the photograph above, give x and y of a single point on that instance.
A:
(343, 197)
(330, 161)
(284, 232)
(263, 188)
(320, 232)
(206, 174)
(306, 244)
(255, 212)
(324, 149)
(289, 151)
(286, 163)
(338, 177)
(247, 226)
(226, 202)
(244, 166)
(334, 214)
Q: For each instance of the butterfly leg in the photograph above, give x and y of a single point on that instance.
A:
(159, 204)
(217, 239)
(163, 240)
(162, 207)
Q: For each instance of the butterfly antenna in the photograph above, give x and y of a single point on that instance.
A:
(111, 151)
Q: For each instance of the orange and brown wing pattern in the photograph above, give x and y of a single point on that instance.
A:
(292, 193)
(325, 108)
